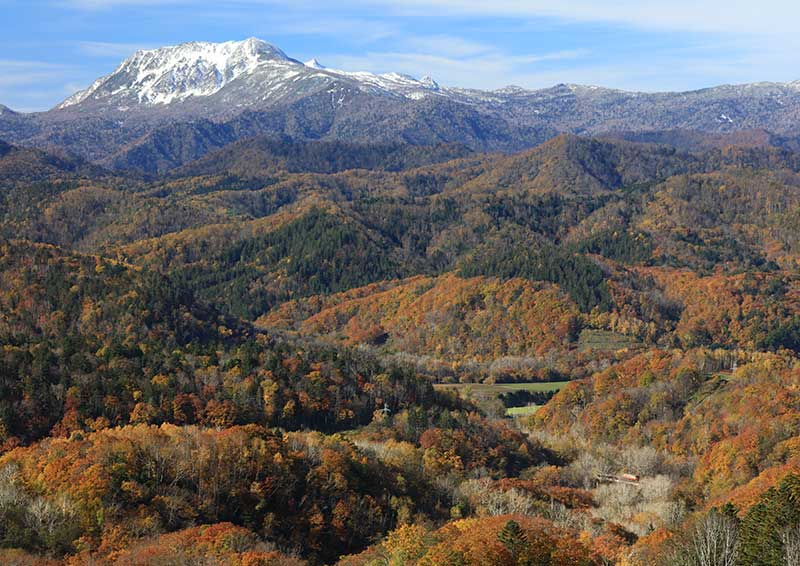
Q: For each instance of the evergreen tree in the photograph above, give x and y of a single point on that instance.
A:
(514, 539)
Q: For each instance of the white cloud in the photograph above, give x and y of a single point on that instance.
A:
(705, 42)
(21, 83)
(490, 69)
(110, 4)
(112, 50)
(19, 72)
(725, 16)
(357, 30)
(448, 45)
(554, 56)
(107, 4)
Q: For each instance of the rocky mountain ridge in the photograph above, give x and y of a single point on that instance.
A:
(162, 108)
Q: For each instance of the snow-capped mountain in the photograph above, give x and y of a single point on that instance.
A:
(256, 74)
(162, 107)
(219, 80)
(314, 64)
(169, 74)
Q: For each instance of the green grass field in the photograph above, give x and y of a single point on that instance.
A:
(487, 391)
(604, 341)
(522, 411)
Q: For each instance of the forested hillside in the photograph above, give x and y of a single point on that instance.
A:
(290, 352)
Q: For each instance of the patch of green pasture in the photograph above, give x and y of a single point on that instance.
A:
(522, 411)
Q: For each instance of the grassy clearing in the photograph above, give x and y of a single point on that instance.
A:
(522, 411)
(604, 341)
(484, 393)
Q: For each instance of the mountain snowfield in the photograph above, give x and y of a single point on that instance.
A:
(201, 69)
(197, 70)
(162, 76)
(164, 107)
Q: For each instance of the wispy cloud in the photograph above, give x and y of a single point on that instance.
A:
(632, 44)
(448, 45)
(20, 72)
(727, 16)
(107, 4)
(110, 4)
(488, 69)
(23, 83)
(355, 29)
(452, 60)
(554, 56)
(110, 50)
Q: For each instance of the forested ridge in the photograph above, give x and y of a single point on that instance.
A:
(289, 352)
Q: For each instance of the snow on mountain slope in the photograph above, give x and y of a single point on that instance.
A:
(220, 78)
(195, 96)
(314, 64)
(162, 76)
(197, 69)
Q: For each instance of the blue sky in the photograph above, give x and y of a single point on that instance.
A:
(51, 48)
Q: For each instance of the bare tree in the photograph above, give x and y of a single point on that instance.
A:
(715, 541)
(790, 538)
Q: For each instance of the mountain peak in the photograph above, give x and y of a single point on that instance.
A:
(314, 64)
(428, 82)
(243, 74)
(174, 73)
(511, 90)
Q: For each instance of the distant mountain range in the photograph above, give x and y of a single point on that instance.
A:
(162, 108)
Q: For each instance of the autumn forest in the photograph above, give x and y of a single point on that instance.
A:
(297, 353)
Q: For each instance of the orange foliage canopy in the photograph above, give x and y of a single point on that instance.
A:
(449, 317)
(489, 541)
(225, 543)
